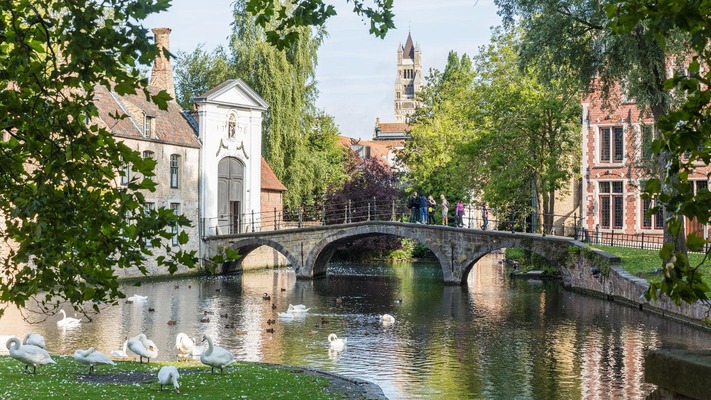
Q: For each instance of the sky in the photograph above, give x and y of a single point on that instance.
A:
(356, 71)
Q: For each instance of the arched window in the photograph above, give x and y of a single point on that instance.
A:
(174, 171)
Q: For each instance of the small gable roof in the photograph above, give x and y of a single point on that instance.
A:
(270, 180)
(170, 125)
(214, 95)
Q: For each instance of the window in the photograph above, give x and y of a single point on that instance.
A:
(148, 207)
(148, 126)
(612, 144)
(611, 204)
(409, 90)
(174, 171)
(655, 221)
(125, 173)
(149, 154)
(232, 127)
(176, 210)
(647, 139)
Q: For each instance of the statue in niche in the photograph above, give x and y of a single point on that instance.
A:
(231, 127)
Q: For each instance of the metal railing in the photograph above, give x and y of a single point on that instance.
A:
(511, 220)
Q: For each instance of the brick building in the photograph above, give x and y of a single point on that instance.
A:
(616, 152)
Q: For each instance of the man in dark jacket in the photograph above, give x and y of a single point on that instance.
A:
(422, 200)
(414, 205)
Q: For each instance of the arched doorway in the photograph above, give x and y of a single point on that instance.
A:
(230, 195)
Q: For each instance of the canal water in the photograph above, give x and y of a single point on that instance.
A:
(495, 338)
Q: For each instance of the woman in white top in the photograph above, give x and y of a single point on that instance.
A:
(445, 210)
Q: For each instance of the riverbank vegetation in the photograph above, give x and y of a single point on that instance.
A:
(524, 261)
(647, 264)
(130, 380)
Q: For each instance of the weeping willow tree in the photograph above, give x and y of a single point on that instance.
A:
(299, 142)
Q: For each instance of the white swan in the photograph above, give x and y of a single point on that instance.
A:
(216, 356)
(167, 375)
(67, 322)
(4, 339)
(143, 347)
(184, 344)
(299, 308)
(92, 358)
(28, 354)
(137, 297)
(35, 339)
(335, 343)
(387, 319)
(122, 352)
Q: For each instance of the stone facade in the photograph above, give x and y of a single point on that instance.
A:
(409, 80)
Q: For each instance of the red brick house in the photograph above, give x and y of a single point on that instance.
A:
(615, 150)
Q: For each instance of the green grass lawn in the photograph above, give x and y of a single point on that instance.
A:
(647, 264)
(69, 380)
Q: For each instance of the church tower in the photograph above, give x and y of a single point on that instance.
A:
(409, 80)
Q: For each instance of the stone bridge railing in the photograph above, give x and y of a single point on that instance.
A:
(309, 249)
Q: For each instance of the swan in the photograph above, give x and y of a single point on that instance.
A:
(92, 358)
(299, 308)
(167, 375)
(215, 356)
(387, 319)
(120, 353)
(336, 343)
(28, 354)
(184, 344)
(143, 347)
(137, 297)
(35, 339)
(67, 322)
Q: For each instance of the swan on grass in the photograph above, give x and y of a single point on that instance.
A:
(92, 358)
(215, 356)
(143, 347)
(35, 339)
(299, 308)
(387, 319)
(184, 344)
(122, 352)
(28, 354)
(335, 343)
(67, 322)
(169, 375)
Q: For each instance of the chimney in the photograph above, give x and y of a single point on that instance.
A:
(162, 74)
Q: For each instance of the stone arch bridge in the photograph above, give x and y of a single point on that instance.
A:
(309, 249)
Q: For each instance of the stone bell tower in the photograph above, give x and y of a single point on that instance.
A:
(409, 80)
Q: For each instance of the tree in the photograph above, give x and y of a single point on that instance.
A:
(685, 132)
(67, 225)
(439, 128)
(283, 20)
(198, 72)
(576, 35)
(527, 147)
(367, 193)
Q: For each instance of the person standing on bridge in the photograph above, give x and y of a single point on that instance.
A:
(431, 205)
(445, 210)
(459, 213)
(423, 208)
(414, 205)
(484, 216)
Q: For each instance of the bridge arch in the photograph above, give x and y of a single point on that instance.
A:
(248, 245)
(317, 260)
(482, 251)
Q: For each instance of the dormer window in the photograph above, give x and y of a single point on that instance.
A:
(148, 126)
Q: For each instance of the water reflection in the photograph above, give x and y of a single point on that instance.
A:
(494, 338)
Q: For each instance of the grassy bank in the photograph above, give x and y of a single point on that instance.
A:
(647, 264)
(131, 380)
